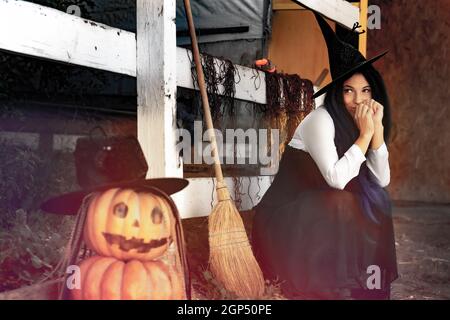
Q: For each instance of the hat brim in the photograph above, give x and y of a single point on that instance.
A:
(348, 73)
(69, 203)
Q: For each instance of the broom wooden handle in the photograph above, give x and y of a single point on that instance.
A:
(204, 94)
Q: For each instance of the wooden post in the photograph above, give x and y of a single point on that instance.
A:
(156, 86)
(363, 8)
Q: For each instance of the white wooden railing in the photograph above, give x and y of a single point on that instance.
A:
(152, 57)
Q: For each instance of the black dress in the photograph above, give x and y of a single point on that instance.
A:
(316, 239)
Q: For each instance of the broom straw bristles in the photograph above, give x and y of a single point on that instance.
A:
(231, 258)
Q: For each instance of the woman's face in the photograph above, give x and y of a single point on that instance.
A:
(356, 90)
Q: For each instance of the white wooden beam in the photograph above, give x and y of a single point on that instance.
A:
(156, 86)
(250, 83)
(43, 32)
(340, 11)
(198, 204)
(35, 30)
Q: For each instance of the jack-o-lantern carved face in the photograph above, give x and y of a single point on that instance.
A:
(128, 224)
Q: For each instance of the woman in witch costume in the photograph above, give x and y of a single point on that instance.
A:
(324, 228)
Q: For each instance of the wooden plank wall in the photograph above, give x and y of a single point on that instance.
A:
(297, 45)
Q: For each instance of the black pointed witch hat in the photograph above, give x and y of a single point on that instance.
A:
(344, 58)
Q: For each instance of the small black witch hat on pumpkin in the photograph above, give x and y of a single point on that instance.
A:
(344, 59)
(108, 162)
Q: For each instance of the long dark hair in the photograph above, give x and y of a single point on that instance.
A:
(373, 197)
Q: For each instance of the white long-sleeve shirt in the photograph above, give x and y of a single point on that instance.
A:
(315, 135)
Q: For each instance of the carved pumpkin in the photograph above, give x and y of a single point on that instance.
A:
(106, 278)
(127, 224)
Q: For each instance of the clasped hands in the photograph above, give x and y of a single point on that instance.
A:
(368, 117)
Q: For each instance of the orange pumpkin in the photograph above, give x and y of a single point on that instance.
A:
(106, 278)
(127, 224)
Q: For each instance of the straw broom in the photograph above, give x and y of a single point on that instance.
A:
(230, 258)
